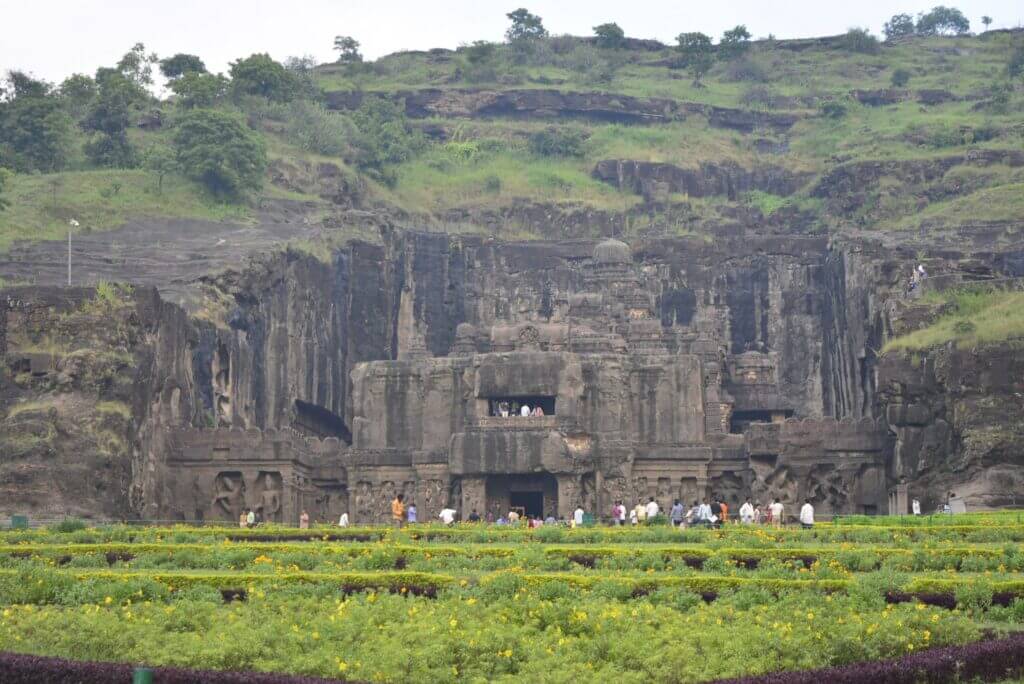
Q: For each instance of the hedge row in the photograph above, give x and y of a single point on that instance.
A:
(984, 660)
(17, 668)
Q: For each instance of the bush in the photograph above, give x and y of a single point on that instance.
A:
(315, 129)
(832, 109)
(900, 78)
(859, 40)
(219, 151)
(69, 525)
(557, 142)
(748, 68)
(759, 96)
(899, 26)
(385, 136)
(260, 75)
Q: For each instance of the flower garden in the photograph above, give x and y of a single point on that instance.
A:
(487, 603)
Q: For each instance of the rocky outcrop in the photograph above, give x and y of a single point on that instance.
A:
(956, 415)
(890, 96)
(654, 179)
(553, 104)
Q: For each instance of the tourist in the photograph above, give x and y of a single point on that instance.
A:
(447, 515)
(776, 511)
(807, 515)
(410, 513)
(652, 509)
(622, 513)
(304, 521)
(716, 512)
(474, 517)
(343, 520)
(398, 510)
(758, 513)
(676, 514)
(704, 514)
(725, 511)
(490, 516)
(691, 516)
(634, 517)
(538, 412)
(747, 512)
(577, 517)
(525, 411)
(641, 512)
(513, 517)
(243, 519)
(250, 518)
(503, 409)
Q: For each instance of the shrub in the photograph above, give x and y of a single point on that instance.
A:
(747, 68)
(557, 142)
(859, 40)
(975, 595)
(759, 96)
(832, 109)
(899, 26)
(315, 129)
(69, 525)
(900, 78)
(218, 150)
(609, 35)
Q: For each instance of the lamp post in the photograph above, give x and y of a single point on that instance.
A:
(71, 225)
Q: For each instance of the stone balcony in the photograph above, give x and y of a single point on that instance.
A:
(518, 423)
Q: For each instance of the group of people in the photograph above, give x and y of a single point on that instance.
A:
(713, 514)
(916, 277)
(524, 410)
(703, 513)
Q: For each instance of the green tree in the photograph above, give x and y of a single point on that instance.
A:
(943, 21)
(609, 35)
(195, 89)
(735, 42)
(385, 136)
(695, 54)
(260, 75)
(161, 161)
(900, 78)
(137, 66)
(859, 40)
(348, 50)
(218, 150)
(525, 26)
(181, 64)
(987, 21)
(78, 91)
(108, 118)
(898, 26)
(35, 129)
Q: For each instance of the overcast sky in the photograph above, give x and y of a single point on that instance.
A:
(54, 38)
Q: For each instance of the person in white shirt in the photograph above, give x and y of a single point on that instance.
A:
(343, 521)
(577, 517)
(777, 511)
(747, 512)
(704, 513)
(652, 508)
(447, 515)
(525, 411)
(634, 518)
(807, 515)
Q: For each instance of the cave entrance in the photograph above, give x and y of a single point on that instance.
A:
(534, 495)
(530, 504)
(739, 420)
(319, 422)
(512, 406)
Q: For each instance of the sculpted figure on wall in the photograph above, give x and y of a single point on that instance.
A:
(269, 484)
(363, 501)
(382, 503)
(228, 495)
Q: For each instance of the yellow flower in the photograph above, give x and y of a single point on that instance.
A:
(453, 622)
(108, 600)
(342, 666)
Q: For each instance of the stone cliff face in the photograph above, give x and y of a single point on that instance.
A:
(787, 326)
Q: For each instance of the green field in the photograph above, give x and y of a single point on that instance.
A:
(492, 603)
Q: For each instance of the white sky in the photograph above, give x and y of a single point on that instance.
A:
(54, 38)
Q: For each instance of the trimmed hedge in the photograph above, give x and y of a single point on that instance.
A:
(985, 660)
(17, 668)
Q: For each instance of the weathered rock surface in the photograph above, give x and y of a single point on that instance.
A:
(654, 179)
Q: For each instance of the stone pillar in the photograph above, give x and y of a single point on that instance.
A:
(899, 503)
(474, 496)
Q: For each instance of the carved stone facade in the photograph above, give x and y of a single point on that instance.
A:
(634, 406)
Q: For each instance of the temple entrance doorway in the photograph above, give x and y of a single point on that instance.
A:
(530, 504)
(534, 495)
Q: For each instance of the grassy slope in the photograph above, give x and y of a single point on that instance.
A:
(976, 317)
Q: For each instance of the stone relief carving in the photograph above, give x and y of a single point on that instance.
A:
(271, 489)
(228, 495)
(363, 501)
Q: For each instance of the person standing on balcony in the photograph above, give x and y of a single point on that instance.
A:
(525, 411)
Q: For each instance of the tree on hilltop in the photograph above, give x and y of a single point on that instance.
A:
(943, 21)
(4, 173)
(260, 75)
(898, 26)
(109, 117)
(987, 21)
(609, 35)
(734, 42)
(695, 54)
(181, 64)
(137, 66)
(525, 26)
(35, 129)
(348, 50)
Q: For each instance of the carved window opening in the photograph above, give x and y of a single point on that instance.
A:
(739, 420)
(513, 406)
